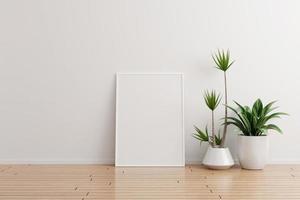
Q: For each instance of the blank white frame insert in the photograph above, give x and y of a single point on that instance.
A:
(149, 119)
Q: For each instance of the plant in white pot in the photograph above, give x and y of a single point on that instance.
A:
(217, 156)
(254, 123)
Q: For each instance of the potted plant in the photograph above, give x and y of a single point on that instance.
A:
(217, 156)
(253, 141)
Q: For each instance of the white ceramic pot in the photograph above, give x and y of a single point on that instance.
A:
(218, 158)
(253, 151)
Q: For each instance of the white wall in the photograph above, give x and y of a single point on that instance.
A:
(58, 60)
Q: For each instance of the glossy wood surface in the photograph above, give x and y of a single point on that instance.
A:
(83, 182)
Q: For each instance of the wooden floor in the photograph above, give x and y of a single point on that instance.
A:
(83, 182)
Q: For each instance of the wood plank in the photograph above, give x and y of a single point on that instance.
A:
(87, 182)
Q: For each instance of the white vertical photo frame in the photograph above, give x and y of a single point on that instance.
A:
(149, 119)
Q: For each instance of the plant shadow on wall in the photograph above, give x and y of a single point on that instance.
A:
(252, 122)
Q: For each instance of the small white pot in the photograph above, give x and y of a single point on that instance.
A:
(253, 151)
(218, 158)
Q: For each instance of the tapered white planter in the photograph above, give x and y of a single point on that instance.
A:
(218, 158)
(253, 151)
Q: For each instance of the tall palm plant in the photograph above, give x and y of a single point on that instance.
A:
(223, 62)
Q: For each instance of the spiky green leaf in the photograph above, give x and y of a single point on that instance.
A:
(253, 121)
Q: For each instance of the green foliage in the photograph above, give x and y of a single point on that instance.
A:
(218, 139)
(200, 135)
(254, 121)
(222, 60)
(203, 136)
(212, 100)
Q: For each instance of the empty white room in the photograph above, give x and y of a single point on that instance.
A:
(149, 99)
